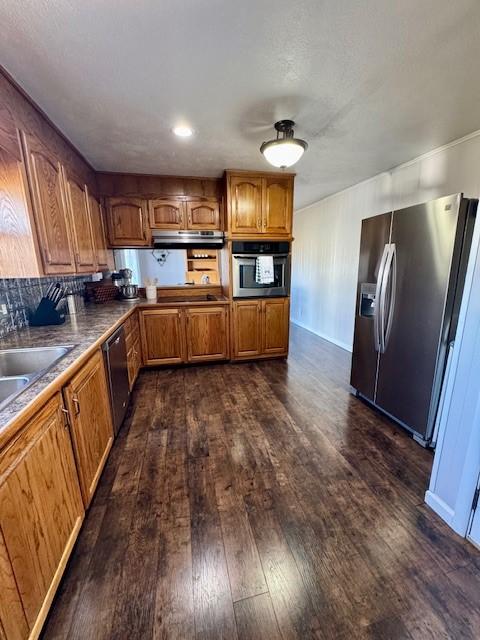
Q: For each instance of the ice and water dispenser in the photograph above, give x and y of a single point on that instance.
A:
(367, 299)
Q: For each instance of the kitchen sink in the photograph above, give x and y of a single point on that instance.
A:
(17, 362)
(19, 368)
(11, 387)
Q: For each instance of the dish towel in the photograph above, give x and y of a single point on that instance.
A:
(264, 270)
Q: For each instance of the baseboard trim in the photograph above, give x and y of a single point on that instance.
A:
(440, 507)
(338, 343)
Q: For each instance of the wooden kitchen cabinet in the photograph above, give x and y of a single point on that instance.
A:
(245, 199)
(41, 512)
(50, 207)
(259, 204)
(275, 326)
(18, 249)
(163, 336)
(191, 334)
(103, 254)
(260, 328)
(207, 333)
(79, 212)
(88, 403)
(13, 623)
(127, 222)
(134, 348)
(277, 206)
(247, 328)
(167, 213)
(203, 214)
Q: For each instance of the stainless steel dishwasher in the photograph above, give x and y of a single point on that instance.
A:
(115, 354)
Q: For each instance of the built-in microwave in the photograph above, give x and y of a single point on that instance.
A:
(244, 263)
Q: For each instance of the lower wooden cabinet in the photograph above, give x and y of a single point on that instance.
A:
(163, 336)
(88, 403)
(247, 328)
(260, 328)
(41, 512)
(207, 333)
(194, 334)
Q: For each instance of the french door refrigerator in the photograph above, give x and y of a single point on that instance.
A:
(410, 280)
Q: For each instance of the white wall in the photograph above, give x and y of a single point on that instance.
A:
(456, 466)
(327, 233)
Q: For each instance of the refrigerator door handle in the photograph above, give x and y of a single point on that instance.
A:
(385, 321)
(378, 292)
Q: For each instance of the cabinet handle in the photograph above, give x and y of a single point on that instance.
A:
(76, 402)
(66, 424)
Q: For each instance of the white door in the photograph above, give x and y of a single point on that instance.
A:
(474, 533)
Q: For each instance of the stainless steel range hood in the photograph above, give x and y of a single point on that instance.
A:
(184, 239)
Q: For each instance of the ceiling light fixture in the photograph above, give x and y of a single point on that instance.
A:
(183, 131)
(284, 151)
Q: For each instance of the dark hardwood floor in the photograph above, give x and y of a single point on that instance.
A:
(262, 501)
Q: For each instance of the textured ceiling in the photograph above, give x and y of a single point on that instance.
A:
(371, 83)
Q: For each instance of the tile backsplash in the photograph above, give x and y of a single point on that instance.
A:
(19, 297)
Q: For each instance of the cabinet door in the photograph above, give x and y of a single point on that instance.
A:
(79, 211)
(88, 404)
(245, 205)
(134, 361)
(275, 326)
(278, 206)
(247, 328)
(41, 508)
(167, 214)
(12, 616)
(127, 222)
(203, 214)
(18, 256)
(207, 333)
(163, 336)
(103, 254)
(50, 208)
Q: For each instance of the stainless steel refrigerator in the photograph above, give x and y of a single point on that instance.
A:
(410, 280)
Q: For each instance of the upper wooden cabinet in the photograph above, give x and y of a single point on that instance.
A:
(207, 333)
(103, 253)
(18, 248)
(260, 328)
(181, 214)
(277, 205)
(203, 214)
(91, 426)
(245, 205)
(41, 512)
(50, 207)
(77, 202)
(167, 214)
(127, 222)
(259, 204)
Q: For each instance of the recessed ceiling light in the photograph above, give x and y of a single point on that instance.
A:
(183, 131)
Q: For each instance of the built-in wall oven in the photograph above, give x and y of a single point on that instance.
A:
(244, 265)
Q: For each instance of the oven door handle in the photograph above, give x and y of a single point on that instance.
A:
(256, 255)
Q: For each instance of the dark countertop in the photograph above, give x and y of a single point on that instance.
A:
(86, 330)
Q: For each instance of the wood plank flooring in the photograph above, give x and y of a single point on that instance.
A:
(262, 501)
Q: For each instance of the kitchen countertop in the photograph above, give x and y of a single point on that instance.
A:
(86, 330)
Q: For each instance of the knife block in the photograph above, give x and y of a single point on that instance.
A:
(46, 314)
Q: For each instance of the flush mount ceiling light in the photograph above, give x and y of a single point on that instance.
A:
(183, 131)
(285, 150)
